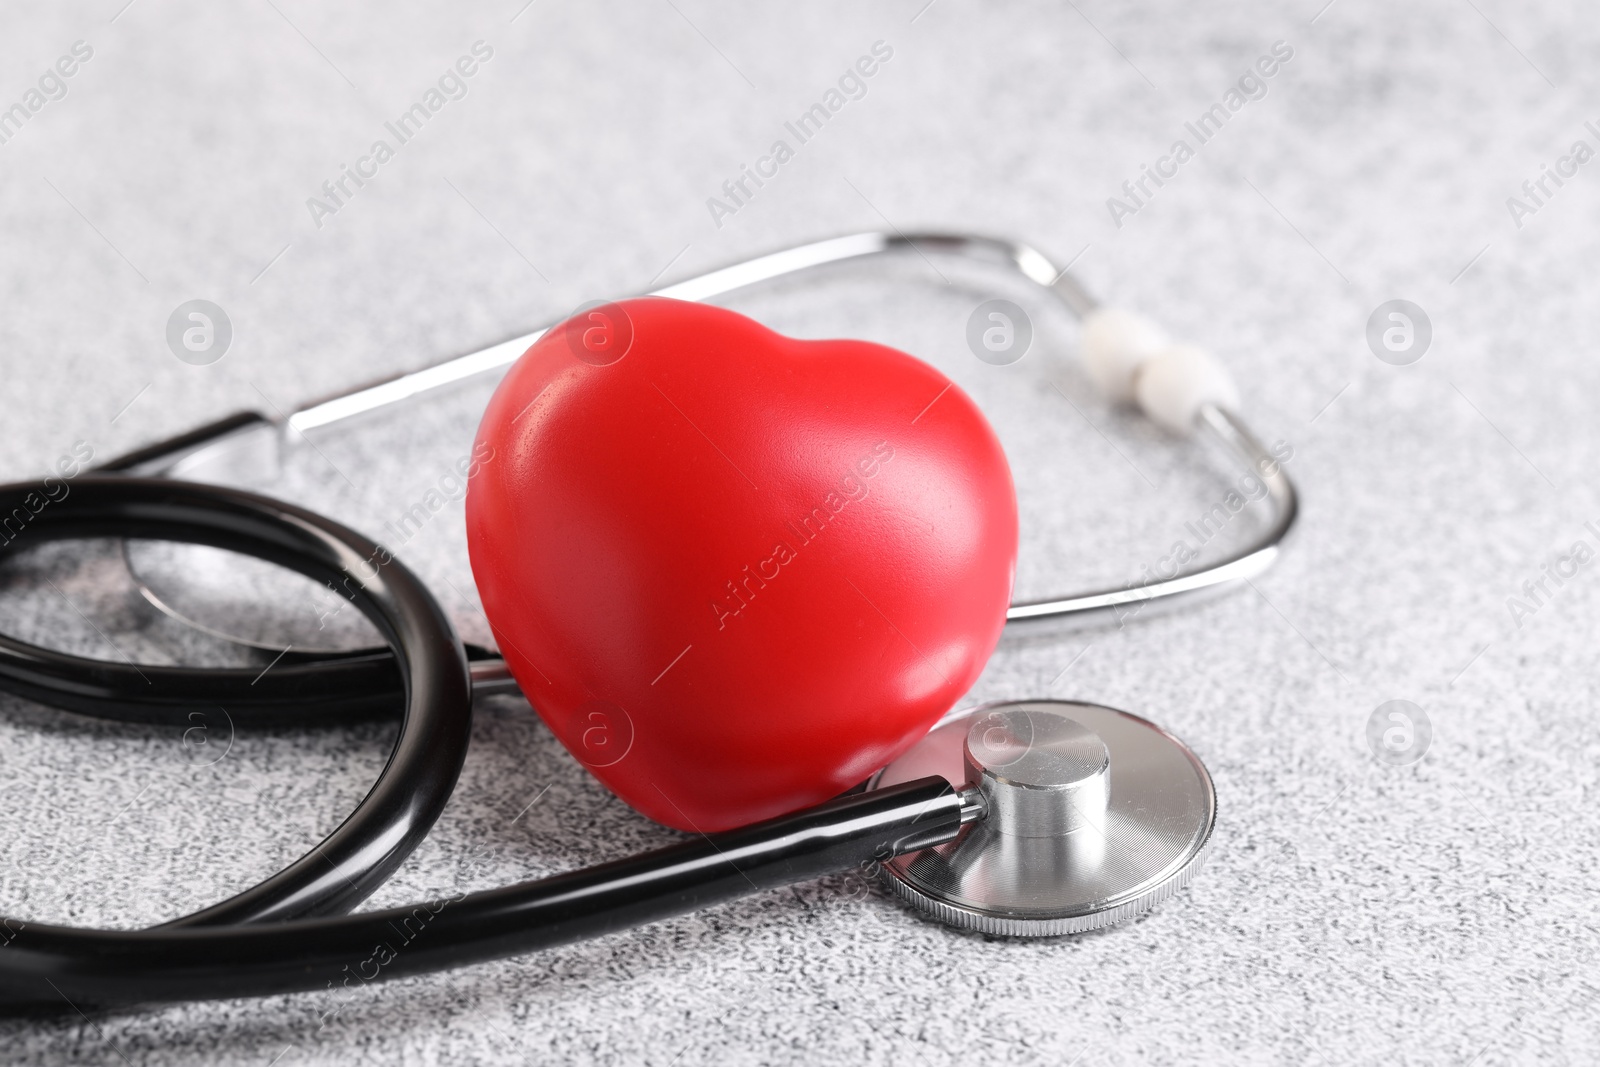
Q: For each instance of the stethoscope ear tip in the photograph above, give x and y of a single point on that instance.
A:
(1089, 817)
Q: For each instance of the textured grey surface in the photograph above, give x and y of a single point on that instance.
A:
(1350, 912)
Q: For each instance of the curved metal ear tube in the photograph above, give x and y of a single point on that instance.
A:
(1132, 361)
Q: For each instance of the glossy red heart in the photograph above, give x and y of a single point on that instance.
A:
(734, 572)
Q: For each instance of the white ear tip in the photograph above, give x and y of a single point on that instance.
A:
(1115, 345)
(1176, 382)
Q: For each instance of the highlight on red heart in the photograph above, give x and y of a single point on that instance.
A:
(736, 572)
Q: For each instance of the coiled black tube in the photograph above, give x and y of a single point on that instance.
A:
(290, 932)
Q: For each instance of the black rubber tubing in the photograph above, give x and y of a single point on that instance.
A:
(297, 691)
(290, 932)
(415, 784)
(42, 967)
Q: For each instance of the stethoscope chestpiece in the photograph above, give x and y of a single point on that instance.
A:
(1090, 816)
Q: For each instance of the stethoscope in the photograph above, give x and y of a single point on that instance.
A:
(1027, 818)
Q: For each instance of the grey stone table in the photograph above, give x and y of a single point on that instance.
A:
(1353, 910)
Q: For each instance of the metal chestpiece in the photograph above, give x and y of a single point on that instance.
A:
(1089, 816)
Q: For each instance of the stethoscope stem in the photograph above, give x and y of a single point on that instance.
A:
(45, 967)
(491, 677)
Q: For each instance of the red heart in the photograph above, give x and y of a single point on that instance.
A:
(736, 573)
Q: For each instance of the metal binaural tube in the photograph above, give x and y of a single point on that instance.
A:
(1228, 430)
(1224, 426)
